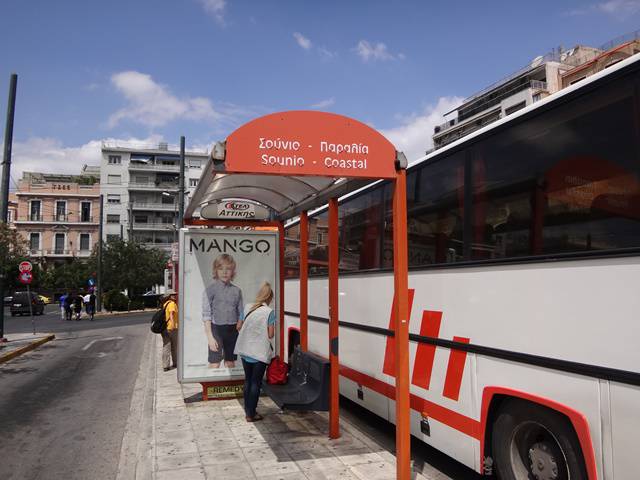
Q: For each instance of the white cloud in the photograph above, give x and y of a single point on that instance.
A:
(215, 8)
(326, 54)
(303, 41)
(616, 8)
(324, 103)
(49, 155)
(375, 52)
(413, 136)
(153, 105)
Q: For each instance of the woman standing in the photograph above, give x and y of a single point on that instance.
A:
(254, 347)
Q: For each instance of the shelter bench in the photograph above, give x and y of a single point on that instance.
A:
(307, 387)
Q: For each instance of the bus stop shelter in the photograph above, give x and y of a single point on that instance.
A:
(289, 163)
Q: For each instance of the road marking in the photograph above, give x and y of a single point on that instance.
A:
(88, 345)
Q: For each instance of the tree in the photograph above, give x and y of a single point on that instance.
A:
(68, 276)
(13, 250)
(132, 266)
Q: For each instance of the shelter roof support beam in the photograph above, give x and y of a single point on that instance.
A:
(401, 272)
(304, 282)
(334, 310)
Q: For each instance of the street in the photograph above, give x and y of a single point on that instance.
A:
(64, 406)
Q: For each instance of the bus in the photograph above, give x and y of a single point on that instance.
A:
(524, 253)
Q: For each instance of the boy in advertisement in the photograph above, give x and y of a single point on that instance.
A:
(222, 310)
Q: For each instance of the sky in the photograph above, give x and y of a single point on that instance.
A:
(146, 71)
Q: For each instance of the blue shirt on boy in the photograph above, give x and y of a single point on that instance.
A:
(222, 303)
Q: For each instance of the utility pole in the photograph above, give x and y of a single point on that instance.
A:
(99, 273)
(181, 188)
(130, 221)
(6, 173)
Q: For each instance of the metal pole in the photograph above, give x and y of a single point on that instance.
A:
(33, 322)
(304, 283)
(401, 331)
(334, 311)
(130, 221)
(6, 171)
(99, 272)
(8, 142)
(181, 186)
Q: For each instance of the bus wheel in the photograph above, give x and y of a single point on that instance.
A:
(533, 442)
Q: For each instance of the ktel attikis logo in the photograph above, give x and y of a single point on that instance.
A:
(236, 206)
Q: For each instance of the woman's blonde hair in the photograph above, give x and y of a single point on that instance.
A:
(222, 259)
(265, 295)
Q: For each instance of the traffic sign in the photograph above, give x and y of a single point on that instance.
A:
(25, 267)
(25, 277)
(91, 282)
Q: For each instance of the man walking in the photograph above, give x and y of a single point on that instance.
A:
(170, 335)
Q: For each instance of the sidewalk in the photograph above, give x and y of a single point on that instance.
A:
(191, 439)
(19, 343)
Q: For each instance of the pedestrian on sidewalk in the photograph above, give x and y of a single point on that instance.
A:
(67, 307)
(170, 335)
(63, 299)
(90, 305)
(254, 347)
(78, 300)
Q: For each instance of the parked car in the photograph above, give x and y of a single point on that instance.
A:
(7, 300)
(45, 299)
(20, 304)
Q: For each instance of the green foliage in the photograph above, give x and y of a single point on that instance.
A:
(86, 180)
(136, 304)
(68, 276)
(114, 300)
(13, 250)
(132, 266)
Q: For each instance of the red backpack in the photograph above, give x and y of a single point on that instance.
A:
(277, 372)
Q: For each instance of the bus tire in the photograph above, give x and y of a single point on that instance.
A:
(530, 441)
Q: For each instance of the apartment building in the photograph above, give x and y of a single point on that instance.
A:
(544, 76)
(140, 188)
(58, 215)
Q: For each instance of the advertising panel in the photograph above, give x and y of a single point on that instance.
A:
(221, 273)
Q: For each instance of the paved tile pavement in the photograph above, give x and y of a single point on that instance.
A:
(211, 440)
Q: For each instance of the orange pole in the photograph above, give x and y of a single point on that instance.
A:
(401, 273)
(334, 406)
(281, 286)
(304, 285)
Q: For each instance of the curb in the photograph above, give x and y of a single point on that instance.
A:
(31, 346)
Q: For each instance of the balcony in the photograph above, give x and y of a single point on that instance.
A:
(83, 253)
(146, 167)
(165, 207)
(160, 246)
(58, 252)
(153, 226)
(30, 217)
(56, 218)
(159, 186)
(34, 252)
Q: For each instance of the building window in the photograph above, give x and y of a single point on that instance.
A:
(9, 216)
(35, 211)
(112, 218)
(195, 164)
(61, 211)
(515, 108)
(85, 241)
(112, 238)
(85, 211)
(193, 182)
(140, 219)
(34, 241)
(59, 242)
(114, 179)
(577, 80)
(113, 198)
(141, 179)
(115, 159)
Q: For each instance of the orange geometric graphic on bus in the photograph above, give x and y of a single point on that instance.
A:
(425, 354)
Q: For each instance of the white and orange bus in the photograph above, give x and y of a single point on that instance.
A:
(524, 253)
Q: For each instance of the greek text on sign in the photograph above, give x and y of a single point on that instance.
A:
(310, 143)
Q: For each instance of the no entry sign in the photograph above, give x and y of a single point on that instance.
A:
(25, 277)
(25, 267)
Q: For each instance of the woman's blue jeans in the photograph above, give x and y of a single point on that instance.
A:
(253, 374)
